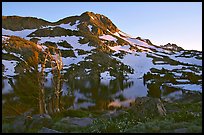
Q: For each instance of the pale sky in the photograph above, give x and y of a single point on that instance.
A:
(161, 22)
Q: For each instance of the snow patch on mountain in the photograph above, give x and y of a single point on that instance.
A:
(22, 33)
(90, 27)
(140, 43)
(68, 26)
(123, 34)
(191, 60)
(73, 40)
(68, 61)
(183, 80)
(141, 64)
(125, 48)
(49, 26)
(63, 48)
(155, 55)
(4, 38)
(134, 42)
(63, 25)
(4, 51)
(108, 37)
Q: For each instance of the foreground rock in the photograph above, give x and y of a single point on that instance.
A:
(82, 122)
(74, 124)
(113, 114)
(181, 130)
(47, 130)
(148, 106)
(26, 122)
(19, 124)
(40, 120)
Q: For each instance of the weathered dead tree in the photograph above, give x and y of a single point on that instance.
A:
(55, 61)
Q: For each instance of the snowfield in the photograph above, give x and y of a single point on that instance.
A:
(73, 40)
(23, 33)
(125, 48)
(141, 64)
(68, 26)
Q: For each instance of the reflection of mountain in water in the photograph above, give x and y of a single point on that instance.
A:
(24, 94)
(87, 93)
(94, 94)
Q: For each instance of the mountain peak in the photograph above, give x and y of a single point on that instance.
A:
(88, 13)
(99, 20)
(172, 46)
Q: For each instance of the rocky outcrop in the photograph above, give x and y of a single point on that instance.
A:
(99, 20)
(141, 106)
(148, 41)
(148, 106)
(172, 47)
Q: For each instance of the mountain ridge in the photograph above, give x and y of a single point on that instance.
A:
(85, 17)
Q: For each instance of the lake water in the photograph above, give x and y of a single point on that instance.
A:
(92, 94)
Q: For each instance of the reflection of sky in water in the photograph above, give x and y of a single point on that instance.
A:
(85, 105)
(7, 87)
(65, 89)
(137, 90)
(174, 95)
(131, 89)
(48, 80)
